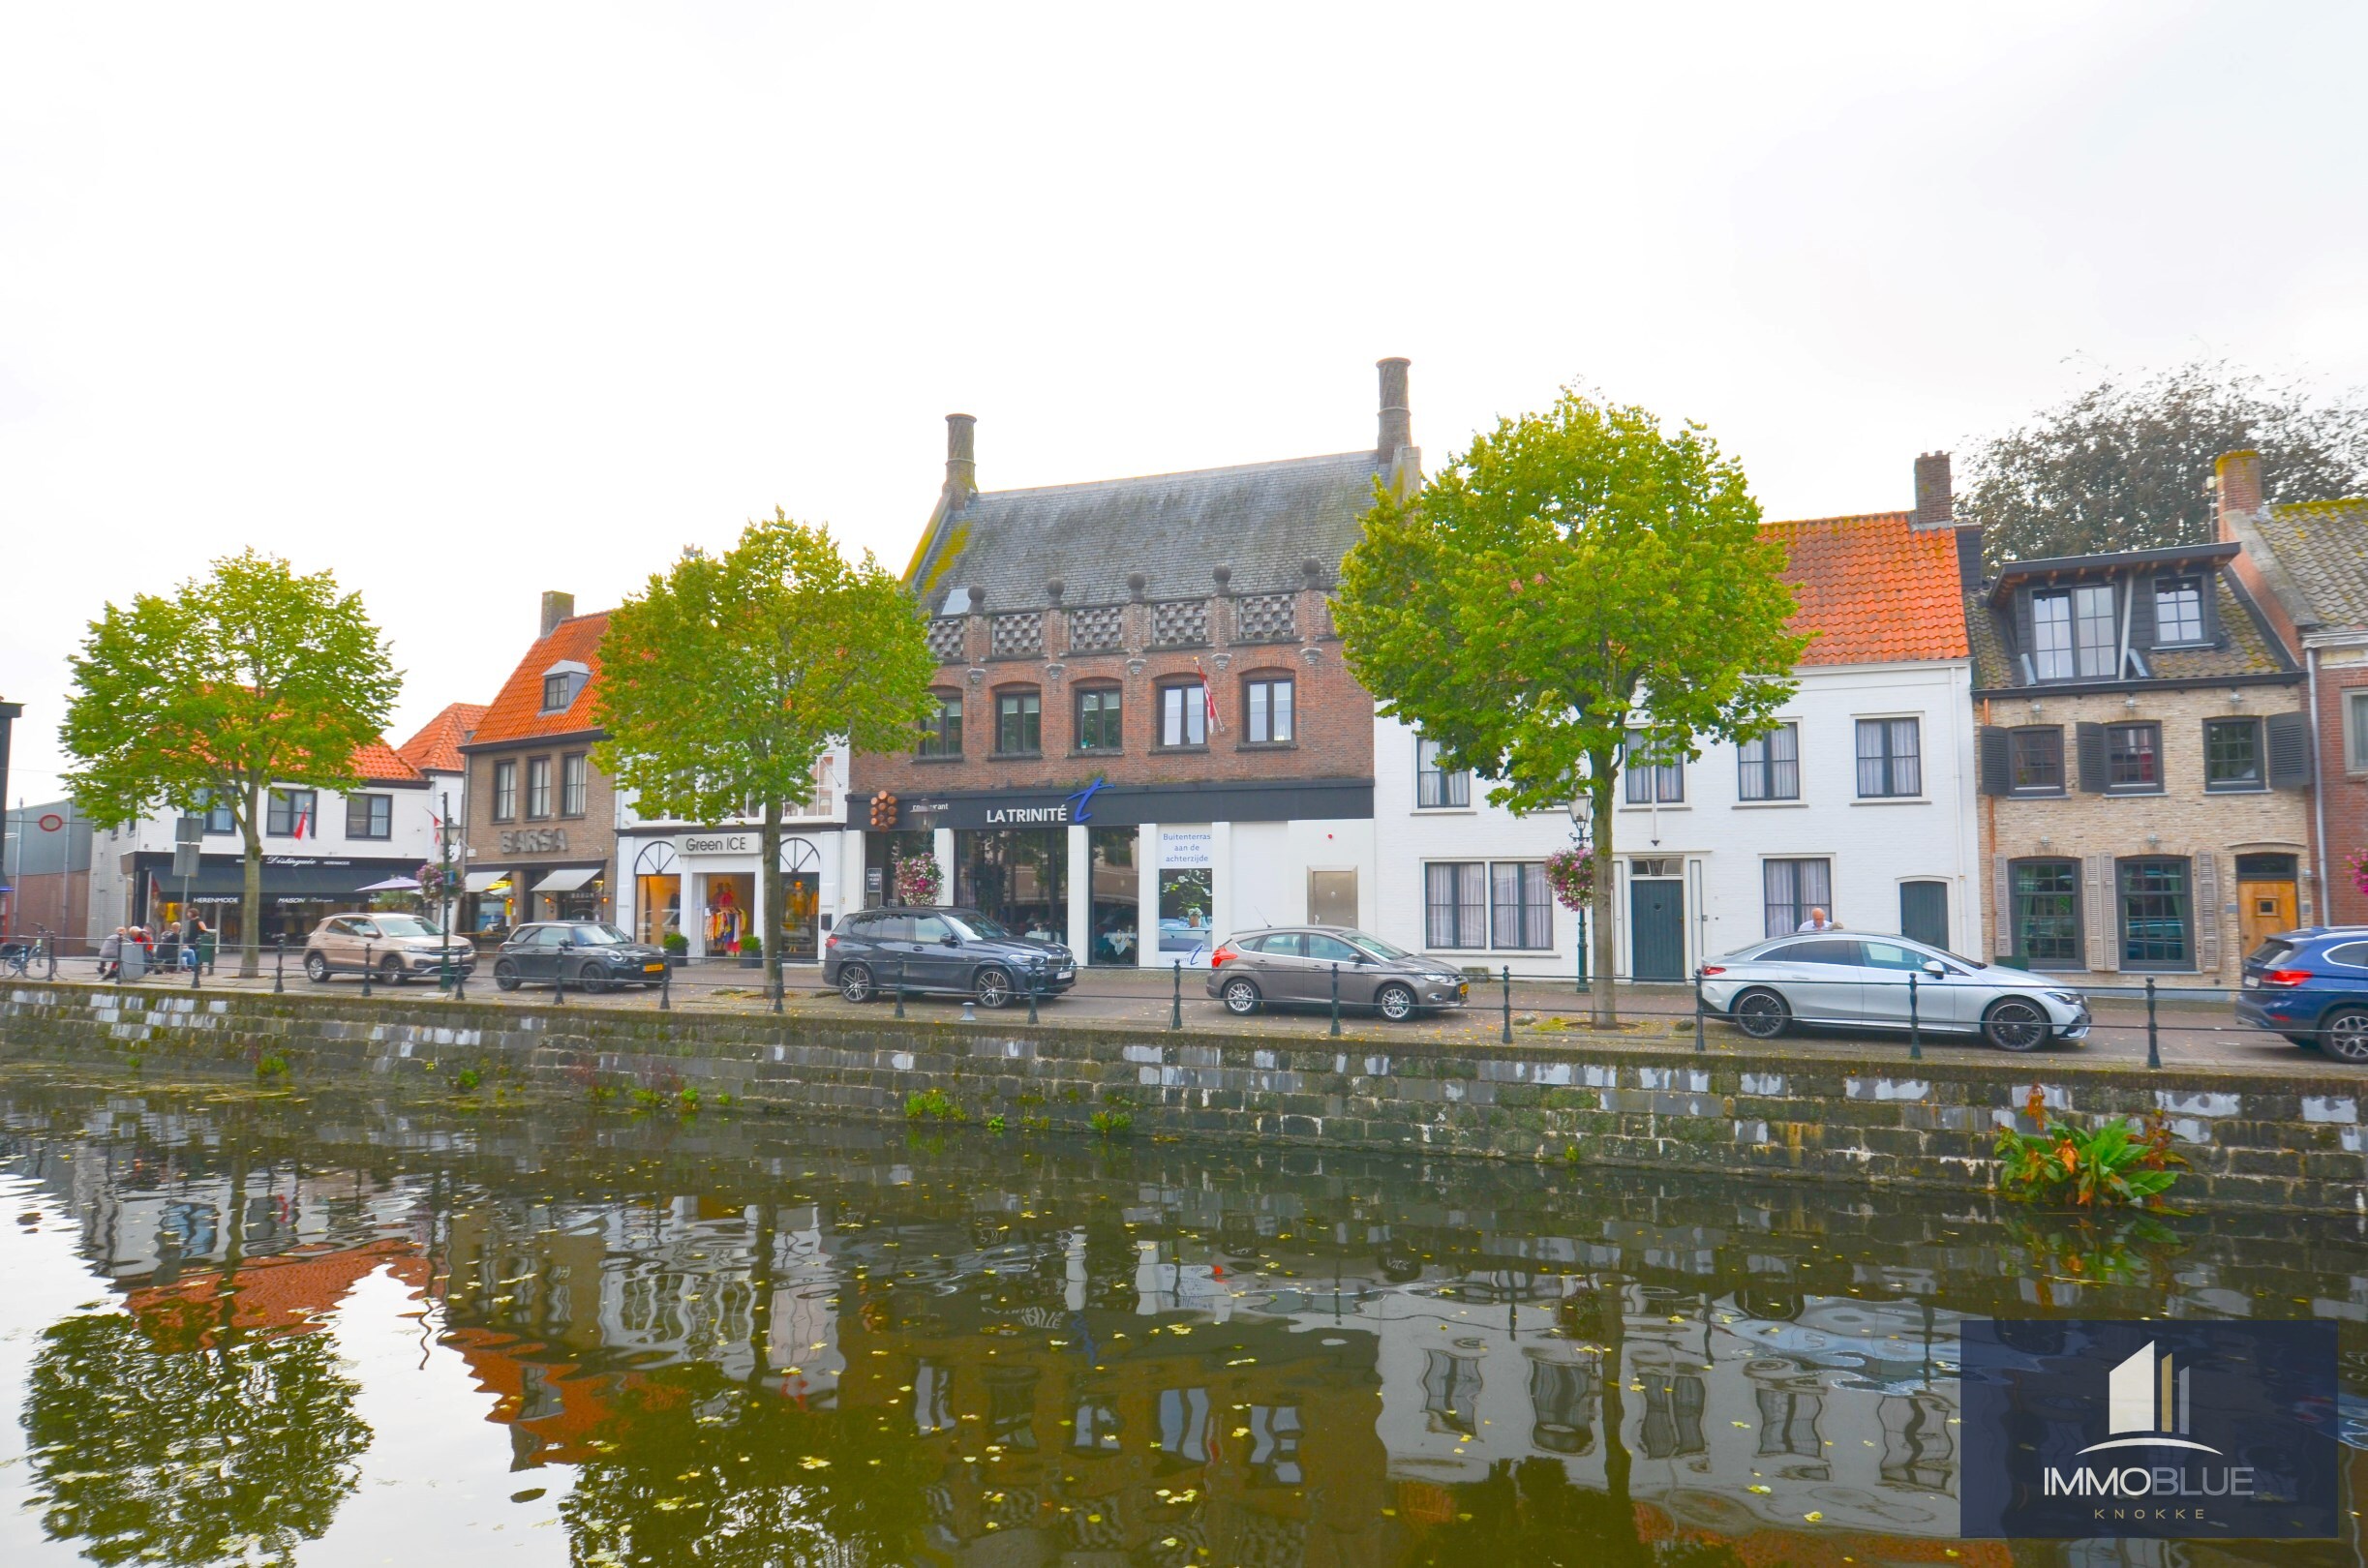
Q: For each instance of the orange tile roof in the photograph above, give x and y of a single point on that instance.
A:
(378, 764)
(437, 748)
(517, 714)
(1873, 589)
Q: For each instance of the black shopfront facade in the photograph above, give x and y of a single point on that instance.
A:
(299, 892)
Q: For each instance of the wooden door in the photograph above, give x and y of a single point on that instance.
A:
(2264, 909)
(1657, 929)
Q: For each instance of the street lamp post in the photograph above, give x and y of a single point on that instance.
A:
(1582, 822)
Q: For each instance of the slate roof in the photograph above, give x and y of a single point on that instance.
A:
(437, 748)
(2323, 547)
(1872, 588)
(1259, 519)
(2251, 650)
(516, 714)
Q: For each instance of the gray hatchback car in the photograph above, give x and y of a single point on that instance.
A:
(1293, 966)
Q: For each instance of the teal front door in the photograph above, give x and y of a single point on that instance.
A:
(1657, 929)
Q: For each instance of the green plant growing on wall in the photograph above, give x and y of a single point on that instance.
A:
(1112, 1124)
(468, 1080)
(2105, 1166)
(932, 1105)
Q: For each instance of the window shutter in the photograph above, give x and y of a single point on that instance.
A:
(2090, 739)
(2142, 612)
(2289, 751)
(2208, 913)
(2098, 896)
(1997, 766)
(2002, 941)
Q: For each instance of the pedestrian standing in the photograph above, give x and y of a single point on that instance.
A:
(1817, 922)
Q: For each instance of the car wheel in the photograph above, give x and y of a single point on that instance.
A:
(1240, 995)
(505, 974)
(856, 985)
(1396, 1002)
(2344, 1035)
(1761, 1014)
(993, 987)
(392, 972)
(2015, 1025)
(316, 969)
(590, 980)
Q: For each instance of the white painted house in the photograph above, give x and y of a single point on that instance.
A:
(1863, 804)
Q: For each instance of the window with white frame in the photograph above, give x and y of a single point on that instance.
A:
(1770, 764)
(1794, 888)
(1890, 759)
(1436, 786)
(1650, 779)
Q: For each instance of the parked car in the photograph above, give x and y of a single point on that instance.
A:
(1861, 983)
(591, 955)
(396, 947)
(2311, 986)
(942, 950)
(1292, 966)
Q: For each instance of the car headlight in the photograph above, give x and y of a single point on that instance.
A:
(2070, 999)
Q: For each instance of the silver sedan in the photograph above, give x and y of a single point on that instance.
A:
(1862, 982)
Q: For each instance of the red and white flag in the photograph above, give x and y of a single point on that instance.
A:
(1208, 698)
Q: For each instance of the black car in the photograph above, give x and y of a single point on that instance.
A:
(593, 955)
(942, 951)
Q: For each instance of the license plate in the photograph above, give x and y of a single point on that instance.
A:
(1463, 991)
(653, 969)
(1067, 974)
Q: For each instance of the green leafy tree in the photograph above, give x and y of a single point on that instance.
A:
(2128, 466)
(1577, 590)
(233, 1449)
(252, 677)
(726, 678)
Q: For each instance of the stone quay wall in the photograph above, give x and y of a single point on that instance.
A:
(2289, 1142)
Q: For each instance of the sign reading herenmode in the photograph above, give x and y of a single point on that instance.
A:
(2168, 1430)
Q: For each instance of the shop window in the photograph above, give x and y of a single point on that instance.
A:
(1184, 716)
(1020, 720)
(575, 771)
(505, 792)
(941, 730)
(1116, 878)
(538, 787)
(1791, 889)
(370, 816)
(217, 812)
(1018, 876)
(2037, 753)
(1890, 759)
(1650, 778)
(1521, 909)
(1771, 764)
(2178, 611)
(1435, 786)
(2044, 905)
(2132, 759)
(1099, 719)
(291, 814)
(2233, 754)
(1266, 711)
(2156, 913)
(1455, 904)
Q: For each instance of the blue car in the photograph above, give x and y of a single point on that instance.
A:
(2312, 987)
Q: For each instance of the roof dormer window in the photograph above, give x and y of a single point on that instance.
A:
(2073, 633)
(563, 684)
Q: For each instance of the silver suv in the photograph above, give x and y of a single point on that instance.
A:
(1862, 982)
(394, 946)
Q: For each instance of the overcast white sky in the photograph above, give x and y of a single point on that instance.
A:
(470, 302)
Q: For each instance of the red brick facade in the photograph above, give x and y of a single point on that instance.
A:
(2343, 783)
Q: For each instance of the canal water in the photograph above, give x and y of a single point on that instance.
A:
(330, 1331)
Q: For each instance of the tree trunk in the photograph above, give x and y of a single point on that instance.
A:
(1604, 1007)
(250, 889)
(768, 845)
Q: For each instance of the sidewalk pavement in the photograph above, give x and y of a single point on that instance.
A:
(2191, 1033)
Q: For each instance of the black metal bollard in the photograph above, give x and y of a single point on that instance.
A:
(196, 969)
(279, 965)
(460, 981)
(50, 944)
(559, 982)
(2154, 1042)
(1336, 1001)
(1175, 1007)
(1035, 983)
(1915, 1022)
(899, 986)
(665, 986)
(1505, 1035)
(1701, 1042)
(367, 966)
(781, 985)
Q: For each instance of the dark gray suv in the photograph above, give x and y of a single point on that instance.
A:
(941, 952)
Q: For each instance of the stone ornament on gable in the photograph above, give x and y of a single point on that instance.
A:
(1134, 667)
(978, 676)
(1312, 654)
(1220, 660)
(1053, 672)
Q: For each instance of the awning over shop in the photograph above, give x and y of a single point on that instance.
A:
(484, 880)
(222, 878)
(567, 879)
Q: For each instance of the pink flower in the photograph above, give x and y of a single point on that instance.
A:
(1516, 585)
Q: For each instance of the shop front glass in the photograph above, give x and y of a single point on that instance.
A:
(1188, 892)
(883, 852)
(1018, 875)
(800, 900)
(493, 908)
(1117, 880)
(727, 902)
(657, 894)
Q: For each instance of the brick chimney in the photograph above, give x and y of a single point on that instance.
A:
(2237, 490)
(557, 607)
(1395, 444)
(1936, 497)
(961, 459)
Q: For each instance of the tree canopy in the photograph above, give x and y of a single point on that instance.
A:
(726, 678)
(2125, 466)
(250, 677)
(1575, 578)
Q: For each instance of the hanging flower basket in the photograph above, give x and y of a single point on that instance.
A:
(1572, 874)
(919, 880)
(2358, 862)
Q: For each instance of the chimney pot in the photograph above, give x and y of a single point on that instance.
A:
(1397, 423)
(1935, 497)
(962, 456)
(1224, 576)
(1134, 584)
(1054, 588)
(557, 607)
(978, 598)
